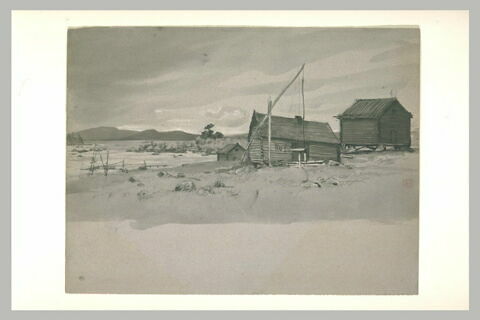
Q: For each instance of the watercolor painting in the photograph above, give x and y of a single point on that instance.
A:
(242, 160)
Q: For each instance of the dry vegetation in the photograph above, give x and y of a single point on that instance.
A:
(220, 228)
(205, 146)
(246, 194)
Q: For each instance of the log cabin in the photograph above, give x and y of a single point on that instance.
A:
(375, 123)
(230, 152)
(291, 139)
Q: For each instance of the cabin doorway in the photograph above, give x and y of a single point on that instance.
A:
(299, 156)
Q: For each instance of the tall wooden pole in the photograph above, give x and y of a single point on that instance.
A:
(303, 98)
(303, 103)
(273, 105)
(288, 86)
(269, 132)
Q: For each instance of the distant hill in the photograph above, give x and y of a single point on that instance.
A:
(238, 136)
(112, 133)
(166, 135)
(105, 133)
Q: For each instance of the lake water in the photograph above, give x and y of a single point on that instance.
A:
(77, 162)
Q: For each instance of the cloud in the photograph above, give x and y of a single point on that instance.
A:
(182, 78)
(228, 116)
(406, 51)
(161, 79)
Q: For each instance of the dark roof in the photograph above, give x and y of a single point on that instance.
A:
(292, 129)
(369, 108)
(229, 147)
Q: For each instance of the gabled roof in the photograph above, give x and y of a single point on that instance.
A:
(229, 147)
(292, 129)
(369, 108)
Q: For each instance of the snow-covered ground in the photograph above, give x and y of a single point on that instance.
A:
(117, 152)
(325, 230)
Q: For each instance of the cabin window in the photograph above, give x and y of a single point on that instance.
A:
(281, 147)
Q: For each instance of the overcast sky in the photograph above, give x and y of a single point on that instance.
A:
(184, 78)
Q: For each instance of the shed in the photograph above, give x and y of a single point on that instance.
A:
(291, 139)
(375, 122)
(230, 152)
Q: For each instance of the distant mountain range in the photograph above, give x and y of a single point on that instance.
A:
(112, 133)
(238, 136)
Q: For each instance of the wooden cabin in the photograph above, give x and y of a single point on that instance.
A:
(375, 122)
(291, 139)
(231, 152)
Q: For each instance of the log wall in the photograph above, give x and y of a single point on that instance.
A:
(394, 127)
(359, 131)
(255, 153)
(280, 150)
(323, 152)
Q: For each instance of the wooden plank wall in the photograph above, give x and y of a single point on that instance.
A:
(255, 152)
(395, 119)
(235, 154)
(359, 131)
(323, 152)
(280, 150)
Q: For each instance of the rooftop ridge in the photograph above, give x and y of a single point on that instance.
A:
(369, 108)
(363, 99)
(283, 117)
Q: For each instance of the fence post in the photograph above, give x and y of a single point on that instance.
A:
(92, 163)
(106, 167)
(103, 164)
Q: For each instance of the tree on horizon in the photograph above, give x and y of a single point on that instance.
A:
(209, 133)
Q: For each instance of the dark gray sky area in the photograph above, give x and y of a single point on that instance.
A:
(183, 78)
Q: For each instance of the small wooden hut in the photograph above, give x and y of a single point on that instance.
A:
(230, 152)
(375, 122)
(291, 139)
